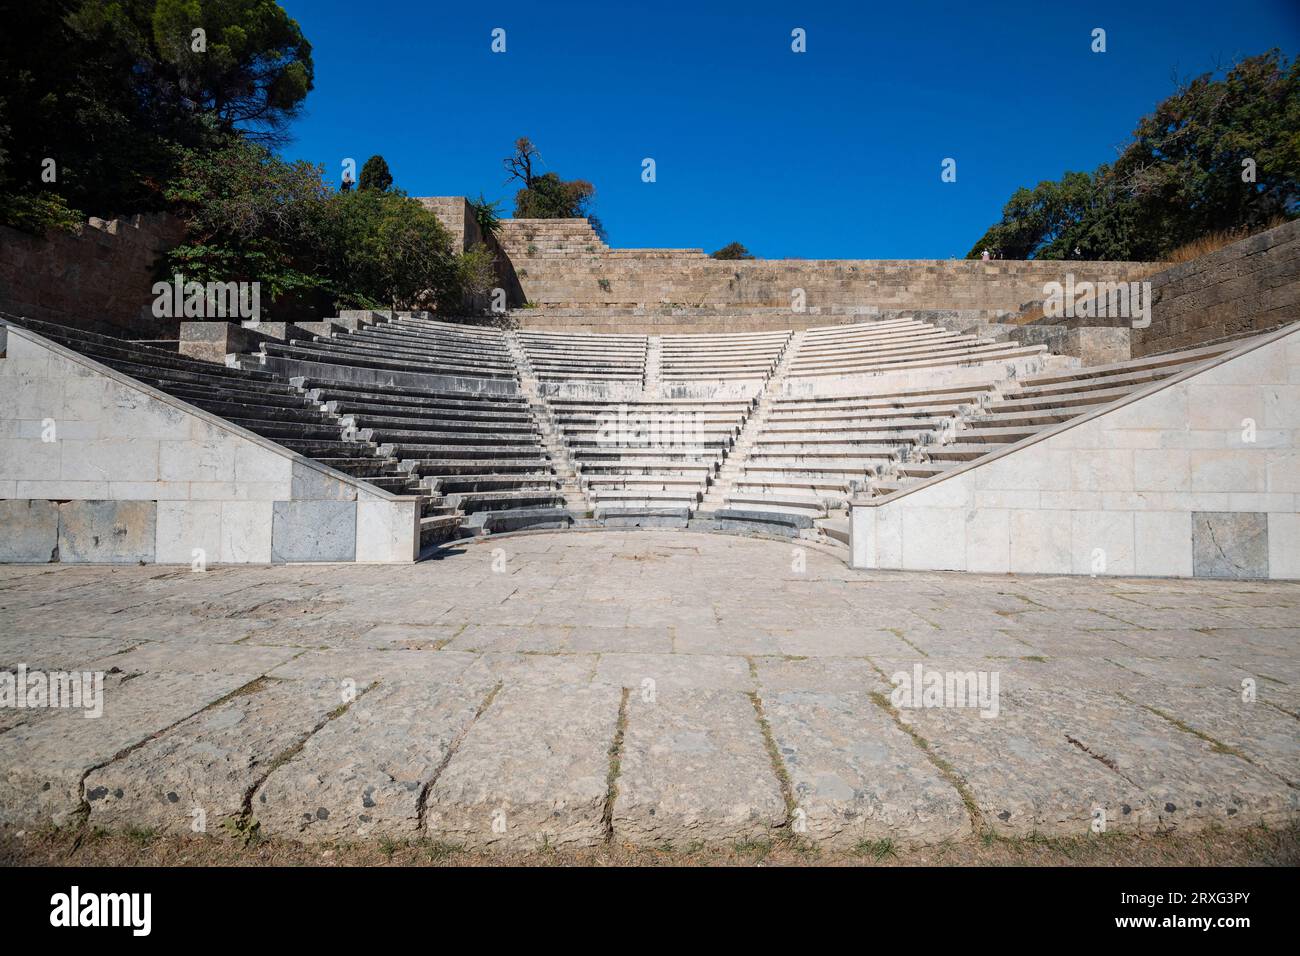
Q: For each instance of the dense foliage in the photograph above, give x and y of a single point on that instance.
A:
(96, 94)
(375, 175)
(254, 217)
(547, 196)
(1220, 154)
(113, 107)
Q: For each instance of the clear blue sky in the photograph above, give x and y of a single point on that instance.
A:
(833, 153)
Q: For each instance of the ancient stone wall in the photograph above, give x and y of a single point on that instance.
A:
(1249, 286)
(98, 278)
(454, 213)
(562, 265)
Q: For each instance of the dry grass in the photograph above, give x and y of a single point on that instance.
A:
(1211, 242)
(1214, 241)
(1253, 846)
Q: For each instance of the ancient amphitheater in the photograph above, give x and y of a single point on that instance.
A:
(656, 504)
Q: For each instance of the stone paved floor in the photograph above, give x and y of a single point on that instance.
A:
(656, 687)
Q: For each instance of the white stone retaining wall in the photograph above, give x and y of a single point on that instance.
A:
(134, 475)
(1168, 484)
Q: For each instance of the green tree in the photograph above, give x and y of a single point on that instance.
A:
(251, 216)
(547, 196)
(388, 251)
(1186, 172)
(375, 175)
(251, 66)
(95, 95)
(732, 250)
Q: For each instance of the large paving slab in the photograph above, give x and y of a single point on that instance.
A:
(366, 772)
(212, 761)
(1024, 778)
(856, 776)
(1145, 673)
(532, 771)
(695, 768)
(44, 760)
(1186, 779)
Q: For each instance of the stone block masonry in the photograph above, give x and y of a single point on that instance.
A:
(98, 279)
(458, 706)
(1248, 286)
(98, 468)
(561, 263)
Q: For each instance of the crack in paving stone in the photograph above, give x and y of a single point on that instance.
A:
(244, 823)
(422, 805)
(1101, 758)
(83, 809)
(774, 754)
(615, 763)
(945, 769)
(1216, 745)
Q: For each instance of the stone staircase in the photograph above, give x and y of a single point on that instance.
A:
(574, 496)
(653, 365)
(647, 459)
(720, 493)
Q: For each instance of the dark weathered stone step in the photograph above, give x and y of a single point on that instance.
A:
(288, 430)
(405, 395)
(243, 411)
(94, 345)
(407, 353)
(409, 344)
(405, 450)
(465, 484)
(517, 519)
(434, 436)
(438, 467)
(474, 502)
(364, 467)
(232, 394)
(410, 423)
(445, 411)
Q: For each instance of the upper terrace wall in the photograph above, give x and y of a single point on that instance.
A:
(561, 263)
(1249, 286)
(99, 278)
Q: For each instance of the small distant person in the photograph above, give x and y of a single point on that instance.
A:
(985, 255)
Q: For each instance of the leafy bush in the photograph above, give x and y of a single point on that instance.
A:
(732, 250)
(251, 216)
(486, 214)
